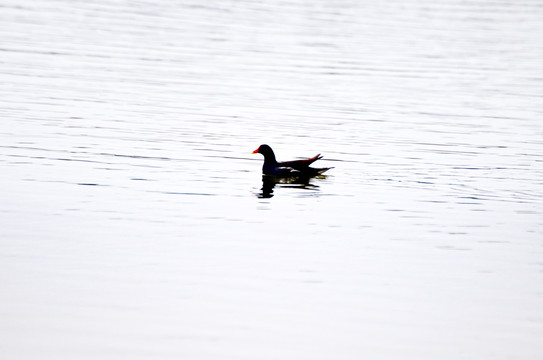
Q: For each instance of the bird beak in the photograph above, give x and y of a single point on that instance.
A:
(256, 151)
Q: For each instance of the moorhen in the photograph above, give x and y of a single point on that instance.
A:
(294, 168)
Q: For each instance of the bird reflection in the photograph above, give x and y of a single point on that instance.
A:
(269, 182)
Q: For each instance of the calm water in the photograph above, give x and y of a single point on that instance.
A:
(132, 222)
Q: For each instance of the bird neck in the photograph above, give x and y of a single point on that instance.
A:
(269, 158)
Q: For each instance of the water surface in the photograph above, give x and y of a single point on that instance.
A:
(132, 221)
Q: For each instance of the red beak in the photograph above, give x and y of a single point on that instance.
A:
(256, 151)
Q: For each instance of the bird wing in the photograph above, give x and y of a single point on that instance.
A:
(300, 164)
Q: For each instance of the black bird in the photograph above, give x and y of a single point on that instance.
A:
(294, 168)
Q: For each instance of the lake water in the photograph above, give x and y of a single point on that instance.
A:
(133, 224)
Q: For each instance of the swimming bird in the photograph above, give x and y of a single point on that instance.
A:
(294, 168)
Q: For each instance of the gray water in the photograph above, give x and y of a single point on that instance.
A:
(133, 224)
